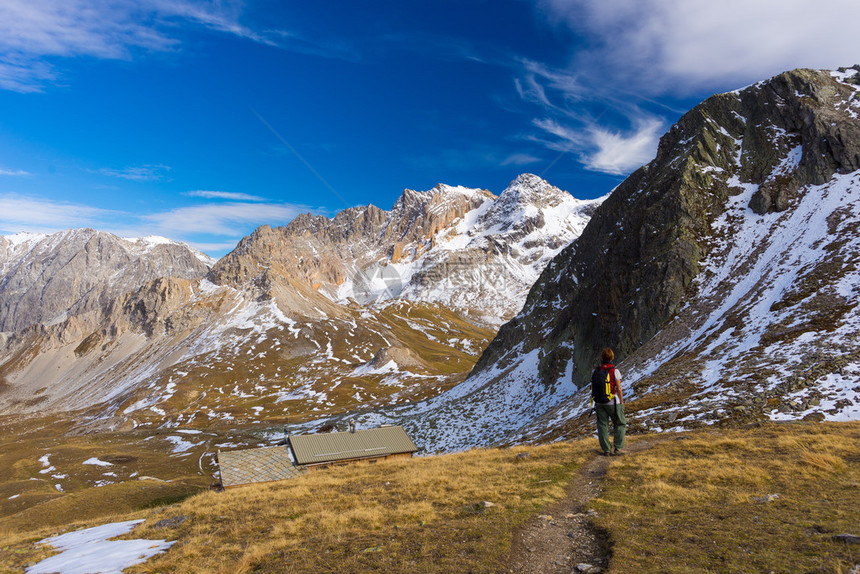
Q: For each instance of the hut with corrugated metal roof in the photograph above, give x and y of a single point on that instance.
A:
(370, 445)
(313, 451)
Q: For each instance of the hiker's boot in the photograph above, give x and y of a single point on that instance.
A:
(617, 452)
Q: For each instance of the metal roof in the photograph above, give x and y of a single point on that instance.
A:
(382, 441)
(256, 465)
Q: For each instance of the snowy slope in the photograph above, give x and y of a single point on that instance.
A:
(150, 242)
(754, 319)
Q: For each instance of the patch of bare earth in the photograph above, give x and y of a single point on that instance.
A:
(563, 538)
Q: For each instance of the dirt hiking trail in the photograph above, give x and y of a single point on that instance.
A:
(563, 536)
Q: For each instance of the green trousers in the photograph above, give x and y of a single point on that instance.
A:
(615, 413)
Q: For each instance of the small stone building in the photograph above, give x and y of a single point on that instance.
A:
(254, 465)
(313, 451)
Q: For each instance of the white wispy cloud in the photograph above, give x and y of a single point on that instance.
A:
(138, 173)
(14, 172)
(603, 149)
(567, 125)
(36, 34)
(213, 248)
(670, 45)
(222, 16)
(209, 227)
(227, 219)
(520, 159)
(629, 50)
(37, 215)
(620, 153)
(539, 78)
(229, 195)
(567, 138)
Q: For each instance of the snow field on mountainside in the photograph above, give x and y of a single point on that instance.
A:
(502, 280)
(482, 410)
(842, 402)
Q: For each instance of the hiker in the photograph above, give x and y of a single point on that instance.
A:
(608, 404)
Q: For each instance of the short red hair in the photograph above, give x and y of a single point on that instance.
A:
(607, 355)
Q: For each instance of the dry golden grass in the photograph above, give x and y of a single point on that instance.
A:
(690, 504)
(684, 504)
(93, 503)
(415, 515)
(28, 489)
(236, 382)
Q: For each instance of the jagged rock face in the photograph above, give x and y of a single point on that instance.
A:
(463, 248)
(325, 252)
(78, 273)
(633, 267)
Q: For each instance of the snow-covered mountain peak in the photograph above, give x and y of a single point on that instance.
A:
(529, 188)
(150, 242)
(502, 243)
(530, 204)
(24, 237)
(443, 202)
(524, 197)
(461, 247)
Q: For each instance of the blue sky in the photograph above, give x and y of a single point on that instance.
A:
(202, 120)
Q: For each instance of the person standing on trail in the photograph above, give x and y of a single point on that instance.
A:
(608, 404)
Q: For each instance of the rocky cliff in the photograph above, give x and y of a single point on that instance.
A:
(47, 279)
(633, 267)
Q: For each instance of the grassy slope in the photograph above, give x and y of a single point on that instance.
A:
(260, 373)
(689, 505)
(685, 504)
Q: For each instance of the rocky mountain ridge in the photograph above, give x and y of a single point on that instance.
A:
(48, 278)
(433, 246)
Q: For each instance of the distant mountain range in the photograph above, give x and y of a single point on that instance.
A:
(368, 308)
(46, 279)
(465, 249)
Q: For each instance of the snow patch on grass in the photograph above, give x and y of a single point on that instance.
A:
(90, 550)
